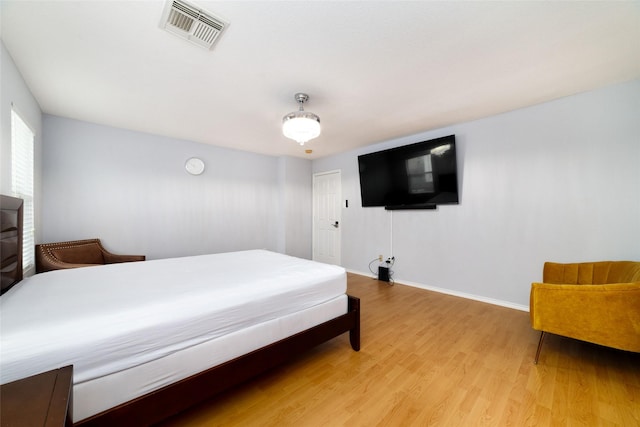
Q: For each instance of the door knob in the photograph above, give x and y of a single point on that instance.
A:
(335, 224)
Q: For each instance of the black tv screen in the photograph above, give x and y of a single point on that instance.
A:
(420, 175)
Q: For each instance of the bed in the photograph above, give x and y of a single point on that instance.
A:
(150, 339)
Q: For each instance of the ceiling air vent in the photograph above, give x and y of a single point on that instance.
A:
(188, 22)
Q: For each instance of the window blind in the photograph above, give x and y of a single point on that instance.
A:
(22, 140)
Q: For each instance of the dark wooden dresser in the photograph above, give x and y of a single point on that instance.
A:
(41, 400)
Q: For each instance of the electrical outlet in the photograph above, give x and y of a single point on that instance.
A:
(380, 258)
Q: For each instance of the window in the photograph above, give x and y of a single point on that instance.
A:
(420, 173)
(22, 140)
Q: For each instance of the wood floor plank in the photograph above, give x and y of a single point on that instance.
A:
(429, 359)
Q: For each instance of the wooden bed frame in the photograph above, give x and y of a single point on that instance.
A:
(174, 398)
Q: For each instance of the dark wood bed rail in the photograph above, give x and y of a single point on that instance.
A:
(174, 398)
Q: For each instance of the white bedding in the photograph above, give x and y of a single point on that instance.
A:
(94, 396)
(111, 318)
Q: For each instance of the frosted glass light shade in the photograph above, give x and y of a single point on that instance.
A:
(301, 126)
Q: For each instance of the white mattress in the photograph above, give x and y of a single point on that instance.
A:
(97, 395)
(112, 318)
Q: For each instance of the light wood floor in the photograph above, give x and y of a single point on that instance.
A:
(429, 359)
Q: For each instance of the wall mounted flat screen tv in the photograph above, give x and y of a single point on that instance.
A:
(415, 176)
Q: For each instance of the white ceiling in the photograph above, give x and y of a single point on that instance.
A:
(374, 71)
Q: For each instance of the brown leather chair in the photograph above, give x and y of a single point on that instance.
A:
(77, 253)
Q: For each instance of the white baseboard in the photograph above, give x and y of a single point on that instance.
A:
(493, 301)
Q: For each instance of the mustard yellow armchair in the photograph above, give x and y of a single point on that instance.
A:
(598, 302)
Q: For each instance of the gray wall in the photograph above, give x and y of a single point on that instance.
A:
(558, 181)
(15, 92)
(296, 206)
(131, 190)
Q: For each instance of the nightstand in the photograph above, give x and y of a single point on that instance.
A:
(41, 400)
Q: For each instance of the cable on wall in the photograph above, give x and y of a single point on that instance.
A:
(391, 234)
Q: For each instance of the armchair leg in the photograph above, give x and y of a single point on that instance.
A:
(535, 362)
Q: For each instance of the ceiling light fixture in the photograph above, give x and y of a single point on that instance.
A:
(301, 126)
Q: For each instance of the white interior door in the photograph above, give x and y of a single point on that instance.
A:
(327, 204)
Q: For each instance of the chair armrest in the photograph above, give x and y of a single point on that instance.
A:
(110, 258)
(49, 265)
(603, 314)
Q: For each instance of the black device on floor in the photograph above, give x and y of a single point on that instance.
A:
(383, 273)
